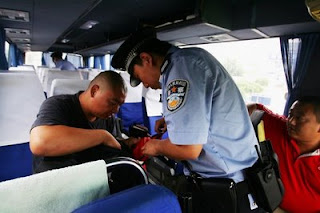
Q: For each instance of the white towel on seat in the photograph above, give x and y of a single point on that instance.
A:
(60, 190)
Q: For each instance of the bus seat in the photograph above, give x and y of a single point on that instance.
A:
(23, 68)
(92, 73)
(131, 112)
(21, 96)
(140, 199)
(42, 72)
(50, 75)
(15, 161)
(68, 86)
(84, 74)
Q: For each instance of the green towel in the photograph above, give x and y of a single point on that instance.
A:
(60, 190)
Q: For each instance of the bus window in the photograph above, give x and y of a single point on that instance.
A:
(91, 62)
(33, 58)
(75, 59)
(256, 67)
(6, 50)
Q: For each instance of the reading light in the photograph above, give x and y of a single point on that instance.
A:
(65, 40)
(88, 25)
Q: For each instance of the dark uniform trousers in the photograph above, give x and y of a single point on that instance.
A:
(209, 201)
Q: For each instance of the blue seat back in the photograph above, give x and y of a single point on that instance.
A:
(140, 199)
(15, 161)
(131, 112)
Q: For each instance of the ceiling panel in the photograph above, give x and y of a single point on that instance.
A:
(184, 21)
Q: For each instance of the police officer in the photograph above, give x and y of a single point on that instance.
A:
(203, 111)
(60, 63)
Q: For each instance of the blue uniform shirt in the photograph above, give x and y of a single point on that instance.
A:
(202, 105)
(65, 65)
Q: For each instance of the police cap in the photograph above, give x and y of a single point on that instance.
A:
(129, 50)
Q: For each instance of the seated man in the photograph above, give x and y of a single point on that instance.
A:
(73, 129)
(296, 141)
(60, 63)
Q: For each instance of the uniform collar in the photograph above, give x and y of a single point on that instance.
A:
(166, 60)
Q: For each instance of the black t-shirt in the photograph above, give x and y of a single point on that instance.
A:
(66, 110)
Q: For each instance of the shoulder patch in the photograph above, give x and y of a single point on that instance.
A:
(176, 94)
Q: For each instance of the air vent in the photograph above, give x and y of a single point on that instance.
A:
(20, 40)
(14, 31)
(24, 46)
(14, 15)
(219, 38)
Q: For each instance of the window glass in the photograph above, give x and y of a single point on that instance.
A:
(33, 58)
(6, 49)
(75, 59)
(107, 59)
(256, 67)
(91, 62)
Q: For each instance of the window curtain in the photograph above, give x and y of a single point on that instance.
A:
(15, 56)
(296, 53)
(21, 57)
(3, 59)
(43, 60)
(47, 60)
(99, 62)
(86, 61)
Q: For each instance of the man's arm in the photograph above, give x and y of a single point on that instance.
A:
(165, 147)
(57, 140)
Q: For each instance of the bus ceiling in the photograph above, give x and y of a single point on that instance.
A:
(97, 27)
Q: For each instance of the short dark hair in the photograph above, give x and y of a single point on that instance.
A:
(56, 55)
(314, 101)
(112, 79)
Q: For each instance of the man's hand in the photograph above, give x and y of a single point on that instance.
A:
(151, 148)
(131, 141)
(251, 108)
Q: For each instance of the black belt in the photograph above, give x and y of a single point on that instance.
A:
(242, 188)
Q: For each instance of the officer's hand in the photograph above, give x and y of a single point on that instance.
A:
(160, 126)
(151, 148)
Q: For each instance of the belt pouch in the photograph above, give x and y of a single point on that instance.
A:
(214, 195)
